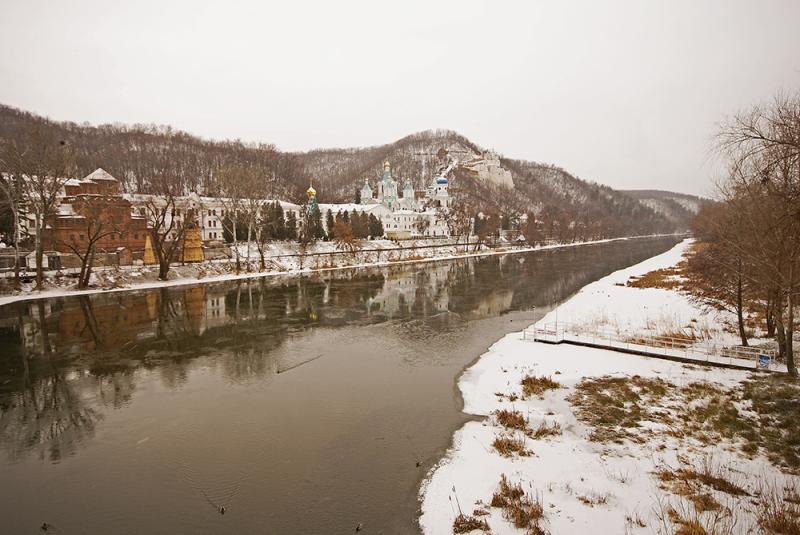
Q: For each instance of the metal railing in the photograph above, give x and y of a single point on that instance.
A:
(681, 347)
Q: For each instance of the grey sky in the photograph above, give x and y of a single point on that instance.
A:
(624, 93)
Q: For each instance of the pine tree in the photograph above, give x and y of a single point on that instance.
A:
(329, 224)
(364, 225)
(291, 226)
(375, 227)
(355, 223)
(316, 224)
(280, 222)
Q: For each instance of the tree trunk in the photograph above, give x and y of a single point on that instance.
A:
(235, 246)
(39, 253)
(739, 313)
(249, 243)
(790, 366)
(769, 318)
(89, 261)
(262, 263)
(163, 269)
(82, 273)
(15, 211)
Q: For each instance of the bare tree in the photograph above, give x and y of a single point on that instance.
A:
(343, 236)
(763, 190)
(44, 164)
(233, 186)
(99, 222)
(165, 222)
(458, 220)
(11, 186)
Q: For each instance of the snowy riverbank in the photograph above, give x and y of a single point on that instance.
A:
(607, 442)
(283, 263)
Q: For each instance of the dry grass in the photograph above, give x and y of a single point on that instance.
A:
(512, 397)
(615, 406)
(682, 519)
(672, 338)
(521, 509)
(714, 415)
(508, 446)
(636, 521)
(779, 510)
(465, 524)
(686, 526)
(545, 430)
(594, 499)
(533, 385)
(776, 401)
(759, 415)
(511, 420)
(702, 511)
(667, 278)
(690, 480)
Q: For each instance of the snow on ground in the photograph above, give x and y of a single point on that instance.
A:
(584, 486)
(609, 304)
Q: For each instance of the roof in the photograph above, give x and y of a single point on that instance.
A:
(349, 207)
(100, 174)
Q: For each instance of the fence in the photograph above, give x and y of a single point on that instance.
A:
(667, 346)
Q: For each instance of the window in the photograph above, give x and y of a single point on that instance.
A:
(81, 237)
(214, 212)
(72, 237)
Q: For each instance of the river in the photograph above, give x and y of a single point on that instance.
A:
(299, 405)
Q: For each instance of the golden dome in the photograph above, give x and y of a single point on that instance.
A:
(311, 191)
(386, 165)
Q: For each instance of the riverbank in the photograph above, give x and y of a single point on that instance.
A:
(576, 439)
(283, 264)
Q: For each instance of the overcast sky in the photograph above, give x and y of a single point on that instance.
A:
(623, 93)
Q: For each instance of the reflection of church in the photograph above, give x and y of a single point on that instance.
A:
(401, 293)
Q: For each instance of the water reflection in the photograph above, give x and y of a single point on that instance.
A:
(63, 362)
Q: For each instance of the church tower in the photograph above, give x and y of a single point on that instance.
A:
(388, 187)
(366, 192)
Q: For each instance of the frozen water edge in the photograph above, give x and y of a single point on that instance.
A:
(567, 466)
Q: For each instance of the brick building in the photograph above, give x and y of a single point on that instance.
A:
(97, 196)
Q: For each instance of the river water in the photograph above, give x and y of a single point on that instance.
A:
(300, 405)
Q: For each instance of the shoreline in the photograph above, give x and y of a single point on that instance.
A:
(470, 469)
(55, 293)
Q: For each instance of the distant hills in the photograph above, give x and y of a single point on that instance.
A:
(537, 187)
(136, 154)
(679, 208)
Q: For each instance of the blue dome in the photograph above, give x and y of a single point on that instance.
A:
(441, 180)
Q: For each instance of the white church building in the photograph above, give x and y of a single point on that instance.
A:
(407, 215)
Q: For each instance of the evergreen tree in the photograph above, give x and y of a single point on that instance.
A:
(375, 227)
(291, 226)
(355, 223)
(358, 196)
(329, 224)
(280, 222)
(317, 230)
(227, 232)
